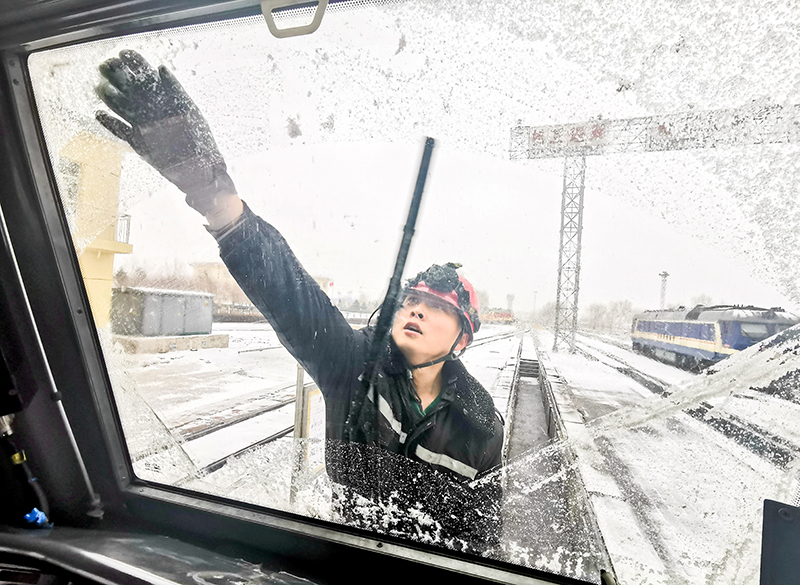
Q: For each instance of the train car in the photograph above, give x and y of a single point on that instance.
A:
(704, 335)
(501, 316)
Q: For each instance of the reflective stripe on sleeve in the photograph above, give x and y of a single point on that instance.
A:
(386, 411)
(445, 461)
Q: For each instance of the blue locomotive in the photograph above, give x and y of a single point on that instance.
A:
(702, 335)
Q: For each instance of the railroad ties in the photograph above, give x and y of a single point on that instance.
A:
(546, 511)
(528, 368)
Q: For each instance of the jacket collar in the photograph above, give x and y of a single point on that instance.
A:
(469, 397)
(460, 388)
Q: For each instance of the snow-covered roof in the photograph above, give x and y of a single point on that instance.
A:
(721, 313)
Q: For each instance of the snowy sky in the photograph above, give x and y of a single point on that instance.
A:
(369, 85)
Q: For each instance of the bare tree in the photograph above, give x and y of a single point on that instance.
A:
(483, 299)
(595, 316)
(613, 317)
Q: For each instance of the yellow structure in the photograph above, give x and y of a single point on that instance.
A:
(91, 176)
(325, 283)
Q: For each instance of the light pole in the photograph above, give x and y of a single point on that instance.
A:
(664, 276)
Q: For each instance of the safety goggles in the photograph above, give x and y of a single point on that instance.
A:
(414, 298)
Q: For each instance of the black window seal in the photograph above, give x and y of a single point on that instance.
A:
(38, 27)
(89, 375)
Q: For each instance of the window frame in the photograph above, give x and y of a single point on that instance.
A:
(760, 325)
(58, 298)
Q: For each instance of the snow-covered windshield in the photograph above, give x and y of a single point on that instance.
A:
(594, 163)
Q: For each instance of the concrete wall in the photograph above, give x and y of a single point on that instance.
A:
(151, 312)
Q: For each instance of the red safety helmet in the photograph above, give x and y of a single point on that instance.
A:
(446, 284)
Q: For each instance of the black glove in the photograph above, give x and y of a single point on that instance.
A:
(164, 127)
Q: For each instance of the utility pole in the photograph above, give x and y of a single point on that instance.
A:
(664, 276)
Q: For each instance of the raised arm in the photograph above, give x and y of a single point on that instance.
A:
(165, 127)
(307, 324)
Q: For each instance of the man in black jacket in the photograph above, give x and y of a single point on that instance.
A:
(415, 450)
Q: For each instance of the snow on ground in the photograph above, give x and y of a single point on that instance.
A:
(164, 398)
(656, 369)
(677, 500)
(492, 363)
(248, 336)
(215, 446)
(189, 390)
(598, 389)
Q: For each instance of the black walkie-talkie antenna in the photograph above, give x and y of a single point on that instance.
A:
(378, 345)
(389, 305)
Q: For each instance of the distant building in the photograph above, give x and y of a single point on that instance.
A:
(497, 316)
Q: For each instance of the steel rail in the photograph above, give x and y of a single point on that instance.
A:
(228, 423)
(210, 468)
(219, 463)
(773, 449)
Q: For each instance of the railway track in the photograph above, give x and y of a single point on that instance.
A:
(776, 450)
(212, 428)
(289, 403)
(653, 384)
(272, 434)
(219, 463)
(607, 340)
(498, 337)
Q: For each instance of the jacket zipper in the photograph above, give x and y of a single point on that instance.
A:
(425, 424)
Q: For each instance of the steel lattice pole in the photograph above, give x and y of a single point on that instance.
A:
(569, 253)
